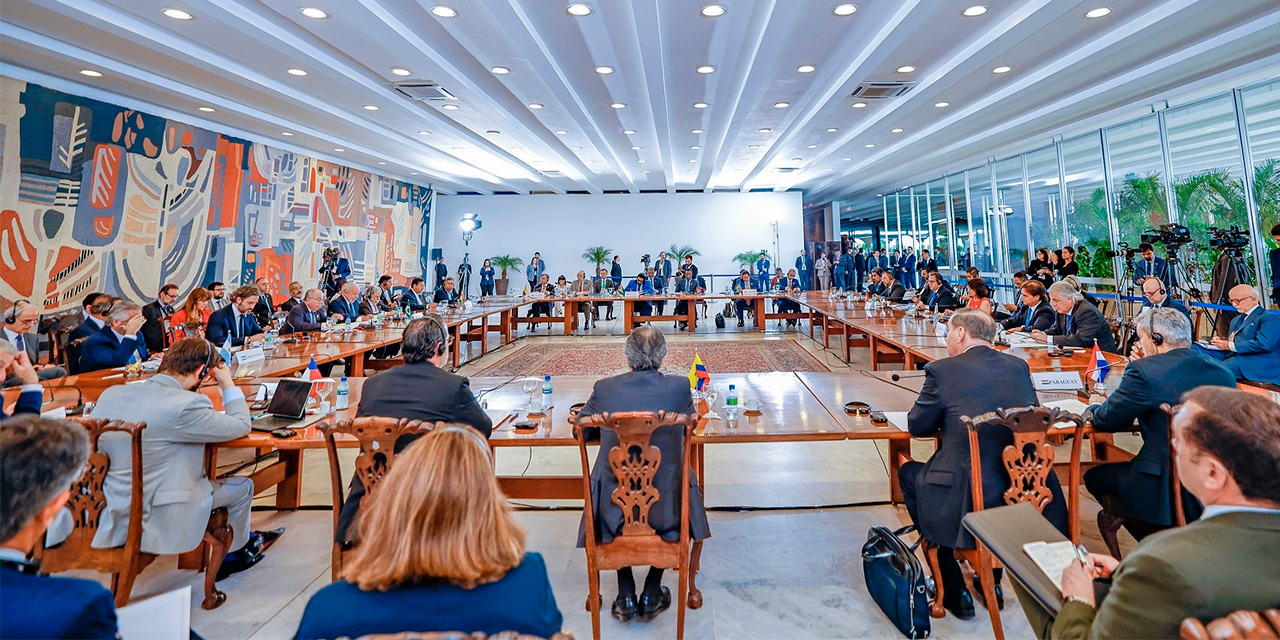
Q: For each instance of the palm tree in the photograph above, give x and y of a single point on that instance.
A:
(680, 251)
(747, 259)
(598, 255)
(504, 262)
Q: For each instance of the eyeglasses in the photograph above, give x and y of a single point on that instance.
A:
(1242, 300)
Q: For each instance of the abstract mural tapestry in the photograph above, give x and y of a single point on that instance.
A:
(98, 197)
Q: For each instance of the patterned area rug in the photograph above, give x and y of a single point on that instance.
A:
(720, 356)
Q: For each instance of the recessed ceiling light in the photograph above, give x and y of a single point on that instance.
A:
(694, 147)
(797, 159)
(517, 148)
(695, 131)
(830, 169)
(312, 12)
(941, 104)
(178, 14)
(1097, 13)
(535, 105)
(844, 10)
(286, 133)
(832, 129)
(444, 11)
(502, 71)
(370, 107)
(493, 132)
(635, 148)
(91, 73)
(451, 107)
(424, 133)
(1001, 70)
(781, 105)
(700, 105)
(380, 162)
(869, 146)
(619, 105)
(628, 132)
(712, 11)
(604, 70)
(753, 146)
(706, 68)
(645, 171)
(297, 72)
(572, 148)
(906, 68)
(578, 10)
(846, 159)
(692, 160)
(895, 131)
(339, 149)
(765, 130)
(813, 146)
(413, 173)
(457, 148)
(975, 10)
(401, 71)
(207, 109)
(859, 105)
(806, 68)
(641, 161)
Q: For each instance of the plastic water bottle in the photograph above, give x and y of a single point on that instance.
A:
(546, 392)
(344, 390)
(731, 403)
(269, 339)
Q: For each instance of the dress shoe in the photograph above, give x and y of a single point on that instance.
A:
(625, 608)
(960, 606)
(982, 596)
(739, 323)
(651, 605)
(237, 561)
(260, 541)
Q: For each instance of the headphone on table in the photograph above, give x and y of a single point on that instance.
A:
(13, 311)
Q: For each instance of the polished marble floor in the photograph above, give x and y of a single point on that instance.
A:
(787, 573)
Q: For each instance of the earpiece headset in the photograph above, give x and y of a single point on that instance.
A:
(1157, 338)
(444, 333)
(208, 361)
(18, 305)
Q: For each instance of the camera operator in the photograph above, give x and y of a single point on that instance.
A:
(334, 272)
(1151, 266)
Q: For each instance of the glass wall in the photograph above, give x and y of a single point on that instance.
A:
(1086, 205)
(1137, 177)
(984, 218)
(937, 238)
(1048, 225)
(1011, 213)
(958, 202)
(1262, 119)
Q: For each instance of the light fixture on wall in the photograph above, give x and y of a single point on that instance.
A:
(469, 224)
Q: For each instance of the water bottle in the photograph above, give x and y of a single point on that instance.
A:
(269, 339)
(344, 390)
(546, 392)
(731, 403)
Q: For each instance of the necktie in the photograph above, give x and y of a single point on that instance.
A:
(1151, 267)
(19, 344)
(1068, 323)
(235, 326)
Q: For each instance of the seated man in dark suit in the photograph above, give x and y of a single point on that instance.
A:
(790, 285)
(740, 284)
(1006, 311)
(39, 459)
(642, 286)
(1228, 446)
(447, 294)
(306, 316)
(1034, 313)
(1157, 298)
(419, 390)
(294, 299)
(891, 290)
(157, 312)
(1166, 368)
(1252, 349)
(415, 297)
(974, 380)
(875, 282)
(97, 306)
(235, 322)
(265, 307)
(1079, 323)
(346, 307)
(17, 364)
(687, 285)
(119, 343)
(940, 296)
(644, 388)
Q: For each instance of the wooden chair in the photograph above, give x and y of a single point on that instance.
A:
(87, 503)
(635, 463)
(1241, 625)
(1029, 461)
(1113, 514)
(377, 437)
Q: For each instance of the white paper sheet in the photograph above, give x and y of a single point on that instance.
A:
(265, 390)
(162, 617)
(1052, 557)
(56, 413)
(1072, 405)
(897, 419)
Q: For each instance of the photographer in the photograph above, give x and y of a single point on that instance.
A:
(334, 272)
(1151, 266)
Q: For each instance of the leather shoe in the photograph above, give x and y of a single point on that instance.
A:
(960, 606)
(651, 605)
(982, 596)
(260, 541)
(237, 561)
(625, 608)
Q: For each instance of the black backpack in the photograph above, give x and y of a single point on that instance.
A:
(719, 321)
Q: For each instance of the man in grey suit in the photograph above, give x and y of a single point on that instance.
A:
(644, 388)
(1079, 323)
(19, 330)
(176, 492)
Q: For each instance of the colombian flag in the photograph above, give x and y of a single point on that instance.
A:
(1100, 365)
(698, 377)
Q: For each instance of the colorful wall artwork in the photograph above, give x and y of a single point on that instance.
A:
(98, 197)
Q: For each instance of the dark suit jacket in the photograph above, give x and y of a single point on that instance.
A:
(520, 601)
(942, 299)
(222, 324)
(975, 382)
(897, 294)
(447, 297)
(301, 318)
(643, 391)
(1257, 342)
(103, 350)
(1160, 270)
(1041, 319)
(1169, 303)
(34, 606)
(83, 330)
(348, 310)
(153, 330)
(1148, 382)
(418, 391)
(289, 304)
(1087, 324)
(262, 310)
(416, 301)
(29, 402)
(1204, 570)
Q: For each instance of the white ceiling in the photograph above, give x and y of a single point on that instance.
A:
(1066, 70)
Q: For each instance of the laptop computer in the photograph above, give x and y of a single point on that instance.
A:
(288, 407)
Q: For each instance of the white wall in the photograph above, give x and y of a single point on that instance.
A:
(561, 227)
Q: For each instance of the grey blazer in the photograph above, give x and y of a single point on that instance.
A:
(176, 492)
(643, 391)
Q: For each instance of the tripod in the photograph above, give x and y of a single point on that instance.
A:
(1239, 273)
(1122, 321)
(464, 276)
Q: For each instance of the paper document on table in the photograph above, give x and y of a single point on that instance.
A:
(265, 390)
(167, 615)
(1024, 341)
(1072, 405)
(897, 419)
(1052, 557)
(57, 413)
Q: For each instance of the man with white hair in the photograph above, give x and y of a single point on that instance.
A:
(1079, 323)
(346, 307)
(1166, 368)
(118, 343)
(1252, 348)
(20, 332)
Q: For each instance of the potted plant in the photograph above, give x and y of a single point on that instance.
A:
(747, 260)
(678, 252)
(503, 262)
(597, 255)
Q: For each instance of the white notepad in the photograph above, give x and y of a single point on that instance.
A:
(167, 615)
(1052, 557)
(898, 419)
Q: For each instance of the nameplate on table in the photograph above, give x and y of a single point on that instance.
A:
(250, 355)
(1056, 380)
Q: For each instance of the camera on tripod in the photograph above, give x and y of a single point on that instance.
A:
(645, 259)
(1231, 239)
(1125, 251)
(1172, 235)
(331, 253)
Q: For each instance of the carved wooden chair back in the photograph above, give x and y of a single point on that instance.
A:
(1239, 625)
(1175, 480)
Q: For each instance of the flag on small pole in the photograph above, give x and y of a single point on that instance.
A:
(699, 379)
(313, 374)
(1100, 365)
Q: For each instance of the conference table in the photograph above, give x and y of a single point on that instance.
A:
(631, 316)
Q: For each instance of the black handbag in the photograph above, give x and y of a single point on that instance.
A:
(897, 581)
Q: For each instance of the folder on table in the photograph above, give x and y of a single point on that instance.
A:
(1004, 531)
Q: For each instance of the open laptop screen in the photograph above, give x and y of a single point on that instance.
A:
(290, 399)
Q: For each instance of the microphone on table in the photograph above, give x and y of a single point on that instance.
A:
(896, 377)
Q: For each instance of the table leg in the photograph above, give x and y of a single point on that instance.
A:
(760, 307)
(908, 360)
(810, 323)
(484, 335)
(357, 364)
(457, 344)
(898, 449)
(628, 320)
(691, 311)
(875, 353)
(826, 332)
(845, 335)
(506, 318)
(289, 491)
(570, 316)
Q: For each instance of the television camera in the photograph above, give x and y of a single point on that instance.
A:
(1172, 235)
(1232, 239)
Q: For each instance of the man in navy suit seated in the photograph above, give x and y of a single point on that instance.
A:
(39, 459)
(1251, 347)
(307, 315)
(347, 305)
(15, 362)
(235, 321)
(118, 343)
(1159, 298)
(97, 306)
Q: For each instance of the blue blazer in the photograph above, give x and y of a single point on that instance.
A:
(1257, 342)
(103, 350)
(29, 402)
(83, 330)
(301, 318)
(34, 606)
(1159, 269)
(222, 324)
(1169, 303)
(348, 310)
(520, 601)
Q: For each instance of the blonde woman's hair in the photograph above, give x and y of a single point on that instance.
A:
(438, 516)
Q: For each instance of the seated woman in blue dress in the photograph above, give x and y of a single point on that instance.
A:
(437, 549)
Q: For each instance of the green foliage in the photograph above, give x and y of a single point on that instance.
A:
(747, 259)
(505, 262)
(678, 252)
(597, 255)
